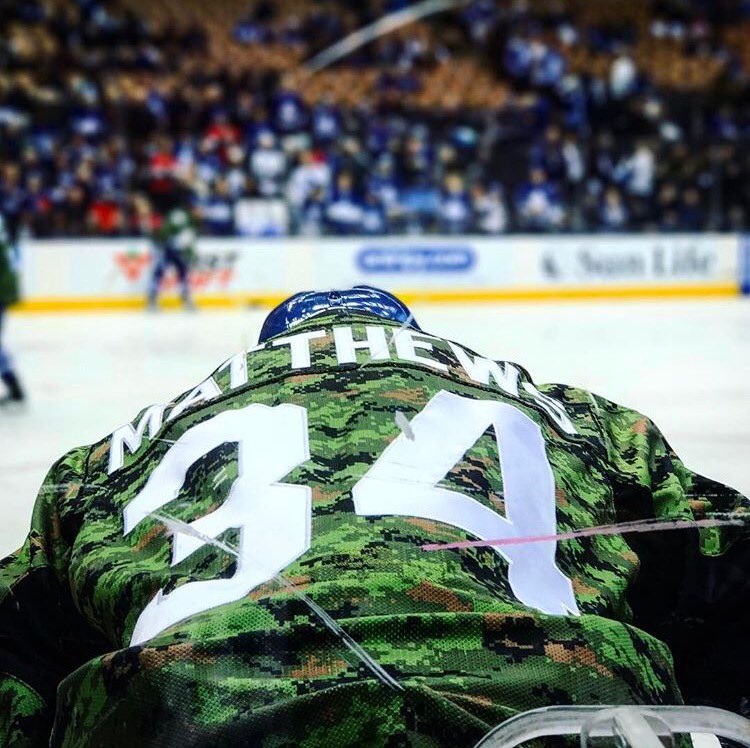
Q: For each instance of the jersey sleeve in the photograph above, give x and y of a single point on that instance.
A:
(42, 637)
(693, 588)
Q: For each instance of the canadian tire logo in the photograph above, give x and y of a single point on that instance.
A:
(208, 270)
(133, 264)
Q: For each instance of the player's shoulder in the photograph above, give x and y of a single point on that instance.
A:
(73, 463)
(604, 410)
(596, 417)
(64, 483)
(620, 420)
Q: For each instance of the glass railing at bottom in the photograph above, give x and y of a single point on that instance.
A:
(625, 726)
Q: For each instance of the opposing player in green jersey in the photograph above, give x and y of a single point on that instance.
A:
(8, 296)
(174, 245)
(259, 561)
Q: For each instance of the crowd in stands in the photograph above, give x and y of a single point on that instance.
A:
(502, 116)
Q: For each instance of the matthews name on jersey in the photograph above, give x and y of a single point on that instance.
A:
(245, 565)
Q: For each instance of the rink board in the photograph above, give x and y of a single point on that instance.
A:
(114, 273)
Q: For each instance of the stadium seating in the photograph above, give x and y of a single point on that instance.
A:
(598, 100)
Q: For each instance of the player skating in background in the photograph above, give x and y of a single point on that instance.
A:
(8, 296)
(247, 565)
(174, 246)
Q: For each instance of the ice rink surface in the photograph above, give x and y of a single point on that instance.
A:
(686, 364)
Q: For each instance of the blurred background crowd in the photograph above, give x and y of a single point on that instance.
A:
(501, 116)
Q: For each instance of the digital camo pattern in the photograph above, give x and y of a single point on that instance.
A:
(264, 670)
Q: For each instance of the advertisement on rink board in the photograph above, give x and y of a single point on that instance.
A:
(107, 271)
(111, 273)
(538, 262)
(648, 259)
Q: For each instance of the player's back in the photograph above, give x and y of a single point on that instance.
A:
(359, 534)
(218, 534)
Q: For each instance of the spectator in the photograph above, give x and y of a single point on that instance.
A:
(548, 154)
(374, 218)
(312, 220)
(311, 173)
(268, 165)
(692, 214)
(235, 173)
(162, 174)
(455, 212)
(383, 183)
(344, 213)
(622, 75)
(481, 16)
(574, 103)
(351, 158)
(572, 156)
(38, 207)
(326, 122)
(605, 158)
(538, 203)
(637, 171)
(221, 133)
(613, 214)
(289, 111)
(105, 215)
(13, 199)
(417, 158)
(217, 211)
(491, 215)
(547, 65)
(666, 214)
(517, 58)
(249, 31)
(75, 211)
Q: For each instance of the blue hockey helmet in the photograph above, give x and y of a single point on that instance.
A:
(359, 299)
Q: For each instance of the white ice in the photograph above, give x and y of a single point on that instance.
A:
(686, 364)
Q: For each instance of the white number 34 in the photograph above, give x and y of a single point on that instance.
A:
(274, 518)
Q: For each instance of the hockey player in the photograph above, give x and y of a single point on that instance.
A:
(8, 296)
(174, 245)
(249, 564)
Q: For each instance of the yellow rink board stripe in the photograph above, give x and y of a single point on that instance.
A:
(426, 295)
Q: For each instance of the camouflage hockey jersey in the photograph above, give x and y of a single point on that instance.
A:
(246, 565)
